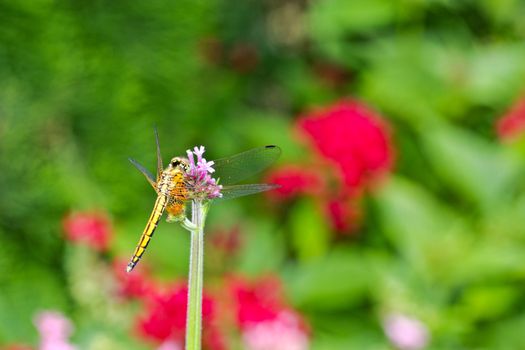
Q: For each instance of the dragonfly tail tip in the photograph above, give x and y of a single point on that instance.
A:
(130, 267)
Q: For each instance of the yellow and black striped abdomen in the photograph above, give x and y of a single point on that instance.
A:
(158, 209)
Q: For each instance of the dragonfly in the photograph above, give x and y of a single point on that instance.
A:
(173, 194)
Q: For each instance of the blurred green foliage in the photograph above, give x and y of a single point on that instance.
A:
(83, 83)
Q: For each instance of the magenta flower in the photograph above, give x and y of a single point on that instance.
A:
(205, 166)
(406, 333)
(200, 183)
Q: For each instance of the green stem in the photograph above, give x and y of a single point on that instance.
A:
(194, 315)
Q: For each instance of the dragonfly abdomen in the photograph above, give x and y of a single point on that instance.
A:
(158, 209)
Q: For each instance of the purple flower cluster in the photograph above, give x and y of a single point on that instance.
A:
(201, 184)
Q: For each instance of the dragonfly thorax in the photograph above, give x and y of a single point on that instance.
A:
(172, 175)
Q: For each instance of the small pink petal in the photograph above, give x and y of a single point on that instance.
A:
(405, 332)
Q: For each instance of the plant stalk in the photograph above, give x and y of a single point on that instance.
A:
(195, 277)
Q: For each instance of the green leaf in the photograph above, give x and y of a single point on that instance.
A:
(409, 213)
(502, 10)
(504, 334)
(491, 259)
(331, 19)
(337, 280)
(30, 289)
(309, 230)
(495, 73)
(420, 227)
(401, 80)
(263, 250)
(475, 168)
(486, 302)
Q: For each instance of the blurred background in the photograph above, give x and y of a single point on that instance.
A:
(400, 223)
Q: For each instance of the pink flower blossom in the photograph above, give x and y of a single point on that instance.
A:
(89, 228)
(406, 333)
(200, 183)
(170, 345)
(199, 151)
(206, 166)
(54, 329)
(282, 333)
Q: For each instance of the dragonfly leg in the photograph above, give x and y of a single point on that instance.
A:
(183, 220)
(174, 218)
(188, 225)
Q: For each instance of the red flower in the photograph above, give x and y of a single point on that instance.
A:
(512, 124)
(264, 319)
(132, 285)
(90, 228)
(256, 302)
(352, 137)
(344, 214)
(165, 318)
(295, 180)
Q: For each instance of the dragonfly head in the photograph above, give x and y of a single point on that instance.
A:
(181, 163)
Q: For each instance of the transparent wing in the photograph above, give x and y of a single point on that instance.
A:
(234, 169)
(145, 172)
(159, 157)
(230, 192)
